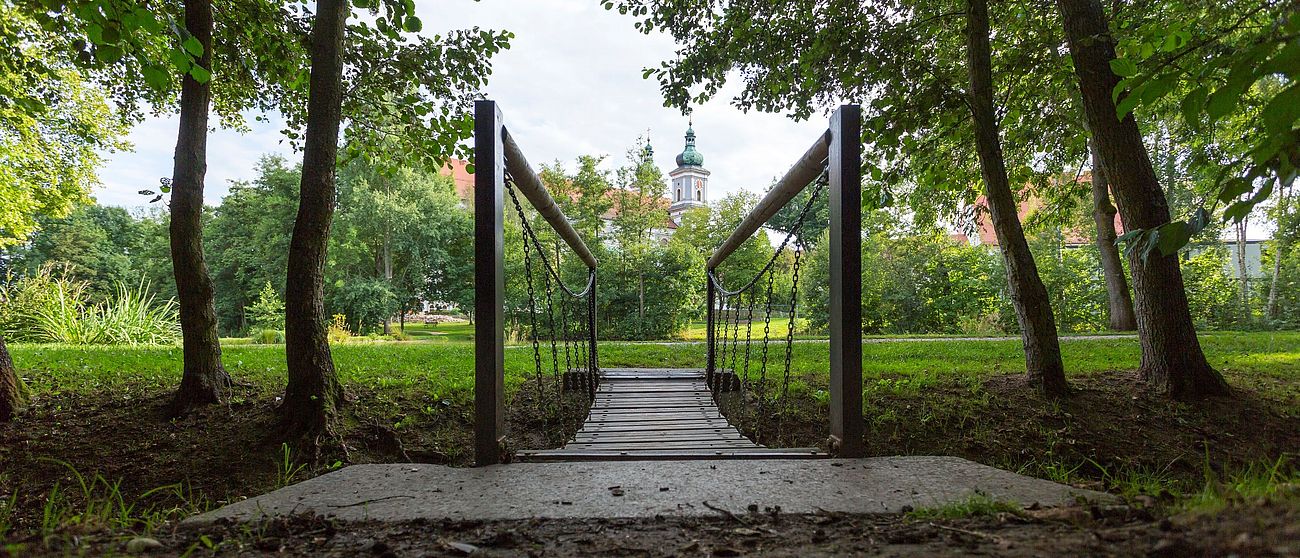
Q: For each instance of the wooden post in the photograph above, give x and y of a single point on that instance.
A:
(593, 363)
(708, 331)
(845, 165)
(489, 285)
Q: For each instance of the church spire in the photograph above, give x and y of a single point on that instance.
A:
(689, 157)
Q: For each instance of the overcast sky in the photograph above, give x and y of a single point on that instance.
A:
(569, 85)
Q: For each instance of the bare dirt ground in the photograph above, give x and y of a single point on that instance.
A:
(1109, 427)
(1266, 529)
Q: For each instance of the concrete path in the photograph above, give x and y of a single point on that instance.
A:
(645, 489)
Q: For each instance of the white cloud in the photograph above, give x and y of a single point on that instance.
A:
(569, 85)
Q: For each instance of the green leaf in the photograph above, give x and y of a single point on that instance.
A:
(469, 168)
(1192, 105)
(200, 74)
(412, 24)
(1234, 188)
(1199, 220)
(193, 46)
(1150, 243)
(1158, 88)
(1285, 61)
(1127, 104)
(108, 54)
(1128, 236)
(1123, 67)
(180, 60)
(155, 76)
(1282, 111)
(1237, 211)
(111, 35)
(1222, 101)
(1173, 236)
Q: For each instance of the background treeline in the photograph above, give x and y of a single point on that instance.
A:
(404, 237)
(399, 238)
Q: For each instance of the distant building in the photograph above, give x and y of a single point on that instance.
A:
(688, 189)
(986, 236)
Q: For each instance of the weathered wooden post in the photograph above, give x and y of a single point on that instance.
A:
(593, 363)
(710, 358)
(489, 285)
(845, 167)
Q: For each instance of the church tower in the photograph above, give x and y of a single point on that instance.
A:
(690, 180)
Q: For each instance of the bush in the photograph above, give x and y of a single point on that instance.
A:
(23, 299)
(337, 331)
(131, 317)
(268, 311)
(267, 336)
(365, 302)
(1211, 291)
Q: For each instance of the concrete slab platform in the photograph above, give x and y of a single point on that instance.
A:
(399, 492)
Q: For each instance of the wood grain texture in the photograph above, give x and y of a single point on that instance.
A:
(657, 413)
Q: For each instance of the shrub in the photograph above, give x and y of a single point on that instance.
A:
(338, 329)
(267, 313)
(267, 336)
(22, 299)
(131, 317)
(367, 302)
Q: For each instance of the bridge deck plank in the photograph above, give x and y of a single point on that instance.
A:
(658, 413)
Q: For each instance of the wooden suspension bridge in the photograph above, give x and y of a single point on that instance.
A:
(659, 414)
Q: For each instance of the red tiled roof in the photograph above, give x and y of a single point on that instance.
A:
(455, 168)
(984, 226)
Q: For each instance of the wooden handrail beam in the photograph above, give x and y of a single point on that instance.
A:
(804, 171)
(531, 186)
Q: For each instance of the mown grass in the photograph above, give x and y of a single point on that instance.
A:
(1270, 360)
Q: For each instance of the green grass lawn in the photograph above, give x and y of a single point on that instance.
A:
(447, 368)
(442, 333)
(698, 331)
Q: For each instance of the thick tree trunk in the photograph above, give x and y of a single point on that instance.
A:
(313, 391)
(1243, 276)
(1028, 294)
(203, 380)
(11, 397)
(1172, 360)
(1119, 301)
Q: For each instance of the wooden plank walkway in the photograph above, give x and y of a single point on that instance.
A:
(658, 414)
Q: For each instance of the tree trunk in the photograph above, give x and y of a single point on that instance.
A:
(313, 390)
(203, 380)
(11, 397)
(1119, 301)
(1028, 295)
(1172, 360)
(1243, 277)
(388, 276)
(1279, 251)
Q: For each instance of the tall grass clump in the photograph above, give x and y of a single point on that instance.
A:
(49, 307)
(24, 298)
(131, 317)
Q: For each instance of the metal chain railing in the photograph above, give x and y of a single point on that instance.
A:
(553, 407)
(732, 381)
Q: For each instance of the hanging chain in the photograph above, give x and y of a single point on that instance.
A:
(532, 302)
